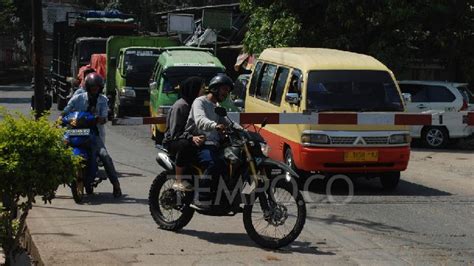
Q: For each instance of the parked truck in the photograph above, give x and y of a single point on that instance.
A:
(75, 40)
(130, 62)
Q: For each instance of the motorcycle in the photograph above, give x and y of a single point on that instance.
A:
(80, 134)
(264, 190)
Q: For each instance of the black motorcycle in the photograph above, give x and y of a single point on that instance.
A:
(264, 190)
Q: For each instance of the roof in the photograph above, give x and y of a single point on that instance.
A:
(80, 39)
(432, 82)
(320, 58)
(189, 57)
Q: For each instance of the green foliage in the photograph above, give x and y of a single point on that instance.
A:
(34, 161)
(393, 31)
(272, 26)
(7, 9)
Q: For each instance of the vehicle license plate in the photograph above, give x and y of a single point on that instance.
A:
(79, 132)
(361, 156)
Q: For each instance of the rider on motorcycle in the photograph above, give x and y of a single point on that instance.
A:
(179, 143)
(96, 103)
(204, 121)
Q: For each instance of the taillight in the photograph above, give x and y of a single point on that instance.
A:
(464, 105)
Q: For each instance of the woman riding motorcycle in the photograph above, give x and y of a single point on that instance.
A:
(180, 144)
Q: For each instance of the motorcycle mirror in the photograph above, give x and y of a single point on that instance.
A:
(220, 111)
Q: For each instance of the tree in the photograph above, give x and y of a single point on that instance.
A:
(7, 9)
(34, 161)
(393, 31)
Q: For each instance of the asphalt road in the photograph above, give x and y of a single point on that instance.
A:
(427, 220)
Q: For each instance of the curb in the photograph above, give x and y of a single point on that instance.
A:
(29, 245)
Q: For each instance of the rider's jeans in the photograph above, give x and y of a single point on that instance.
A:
(208, 157)
(104, 156)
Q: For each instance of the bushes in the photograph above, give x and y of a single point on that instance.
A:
(34, 161)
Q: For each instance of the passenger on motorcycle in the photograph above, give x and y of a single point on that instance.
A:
(96, 103)
(204, 121)
(83, 76)
(181, 144)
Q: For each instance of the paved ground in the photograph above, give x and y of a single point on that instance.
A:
(427, 220)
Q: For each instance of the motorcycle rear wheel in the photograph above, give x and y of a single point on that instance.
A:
(272, 241)
(160, 192)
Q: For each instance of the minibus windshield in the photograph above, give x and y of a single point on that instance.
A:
(352, 90)
(174, 75)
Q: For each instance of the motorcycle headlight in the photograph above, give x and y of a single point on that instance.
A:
(265, 148)
(128, 92)
(314, 139)
(400, 139)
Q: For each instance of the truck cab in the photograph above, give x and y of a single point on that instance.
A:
(83, 49)
(134, 68)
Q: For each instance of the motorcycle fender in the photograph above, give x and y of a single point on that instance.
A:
(80, 152)
(164, 161)
(272, 163)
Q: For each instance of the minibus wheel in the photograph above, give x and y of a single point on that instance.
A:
(390, 180)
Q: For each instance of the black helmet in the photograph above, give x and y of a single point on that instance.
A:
(220, 79)
(94, 80)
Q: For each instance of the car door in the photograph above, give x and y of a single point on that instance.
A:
(419, 97)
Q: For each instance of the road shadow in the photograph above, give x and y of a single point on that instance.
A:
(99, 198)
(15, 100)
(459, 146)
(367, 224)
(89, 212)
(372, 187)
(16, 87)
(241, 239)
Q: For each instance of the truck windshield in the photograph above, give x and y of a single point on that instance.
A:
(352, 90)
(90, 47)
(140, 61)
(173, 76)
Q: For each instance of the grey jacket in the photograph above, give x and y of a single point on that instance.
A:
(203, 120)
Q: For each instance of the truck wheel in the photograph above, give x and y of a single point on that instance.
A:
(435, 137)
(390, 181)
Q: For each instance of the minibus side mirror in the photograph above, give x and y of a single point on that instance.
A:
(406, 97)
(292, 98)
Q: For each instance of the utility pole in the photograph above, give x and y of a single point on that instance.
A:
(36, 6)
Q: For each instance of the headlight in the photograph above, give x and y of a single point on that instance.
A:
(128, 92)
(265, 148)
(399, 139)
(315, 139)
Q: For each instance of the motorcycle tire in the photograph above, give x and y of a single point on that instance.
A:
(276, 243)
(77, 187)
(154, 198)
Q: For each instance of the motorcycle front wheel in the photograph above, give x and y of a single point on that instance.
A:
(281, 222)
(77, 186)
(165, 206)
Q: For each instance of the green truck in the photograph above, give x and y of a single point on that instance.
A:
(174, 65)
(130, 61)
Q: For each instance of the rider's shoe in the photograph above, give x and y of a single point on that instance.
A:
(117, 192)
(182, 185)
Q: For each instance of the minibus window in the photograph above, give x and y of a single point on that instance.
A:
(263, 90)
(255, 78)
(352, 90)
(279, 85)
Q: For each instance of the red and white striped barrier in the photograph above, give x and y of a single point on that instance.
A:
(409, 119)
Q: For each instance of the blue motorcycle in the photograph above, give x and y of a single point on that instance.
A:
(81, 134)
